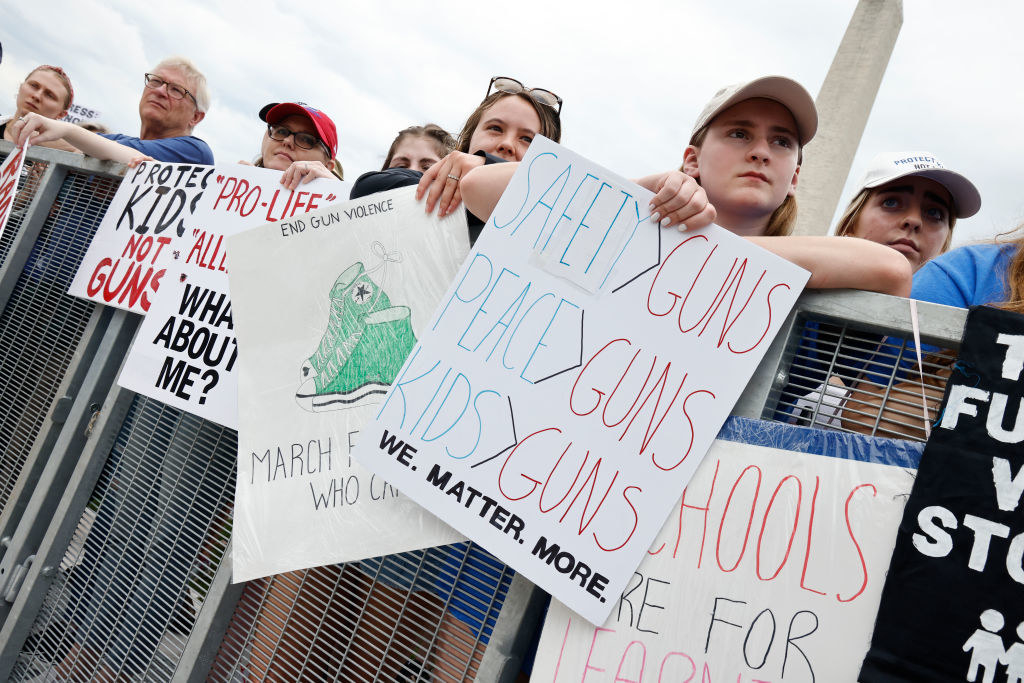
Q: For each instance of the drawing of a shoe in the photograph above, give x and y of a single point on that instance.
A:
(364, 346)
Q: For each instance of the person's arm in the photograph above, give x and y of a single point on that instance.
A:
(302, 172)
(678, 199)
(441, 184)
(39, 129)
(844, 262)
(482, 187)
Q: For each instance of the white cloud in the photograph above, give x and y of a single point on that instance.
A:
(633, 75)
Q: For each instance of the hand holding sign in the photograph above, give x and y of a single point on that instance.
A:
(575, 373)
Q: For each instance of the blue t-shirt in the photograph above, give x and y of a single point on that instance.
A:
(973, 275)
(186, 149)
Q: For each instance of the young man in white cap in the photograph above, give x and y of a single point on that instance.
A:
(909, 201)
(745, 150)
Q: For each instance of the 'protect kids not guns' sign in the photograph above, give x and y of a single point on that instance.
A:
(154, 216)
(575, 374)
(185, 351)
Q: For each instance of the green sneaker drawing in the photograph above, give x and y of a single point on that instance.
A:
(364, 346)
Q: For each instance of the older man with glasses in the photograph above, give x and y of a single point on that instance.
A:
(174, 100)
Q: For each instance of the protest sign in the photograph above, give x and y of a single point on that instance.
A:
(184, 354)
(327, 306)
(155, 214)
(79, 114)
(575, 374)
(953, 604)
(10, 171)
(769, 568)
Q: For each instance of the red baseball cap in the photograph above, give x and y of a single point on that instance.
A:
(275, 111)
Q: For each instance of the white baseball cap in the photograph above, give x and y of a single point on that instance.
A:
(891, 166)
(785, 91)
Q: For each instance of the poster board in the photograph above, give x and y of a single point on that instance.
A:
(575, 374)
(150, 222)
(10, 172)
(184, 353)
(327, 306)
(770, 567)
(79, 114)
(953, 604)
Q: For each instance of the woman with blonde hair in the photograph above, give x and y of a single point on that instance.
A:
(45, 91)
(909, 201)
(741, 171)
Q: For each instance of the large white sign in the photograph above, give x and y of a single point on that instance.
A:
(575, 374)
(184, 353)
(159, 212)
(326, 308)
(770, 568)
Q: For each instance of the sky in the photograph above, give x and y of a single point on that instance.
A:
(633, 76)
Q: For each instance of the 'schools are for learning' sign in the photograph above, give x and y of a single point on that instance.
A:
(769, 568)
(185, 351)
(326, 308)
(152, 221)
(574, 375)
(953, 604)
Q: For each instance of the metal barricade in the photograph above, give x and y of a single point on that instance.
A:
(121, 570)
(49, 339)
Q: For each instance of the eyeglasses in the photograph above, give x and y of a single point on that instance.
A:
(303, 140)
(513, 87)
(174, 90)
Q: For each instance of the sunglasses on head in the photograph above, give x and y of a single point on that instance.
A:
(513, 87)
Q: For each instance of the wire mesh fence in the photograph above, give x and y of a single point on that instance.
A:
(126, 599)
(144, 553)
(420, 616)
(41, 326)
(28, 186)
(845, 377)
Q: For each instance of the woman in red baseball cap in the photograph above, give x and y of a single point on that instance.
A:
(300, 141)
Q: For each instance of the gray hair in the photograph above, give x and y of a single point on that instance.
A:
(198, 80)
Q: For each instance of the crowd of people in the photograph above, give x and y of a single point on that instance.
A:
(740, 170)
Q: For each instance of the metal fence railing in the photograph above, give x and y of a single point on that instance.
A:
(117, 516)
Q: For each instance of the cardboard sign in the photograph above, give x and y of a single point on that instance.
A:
(184, 354)
(10, 171)
(155, 216)
(79, 114)
(953, 604)
(327, 306)
(769, 569)
(575, 374)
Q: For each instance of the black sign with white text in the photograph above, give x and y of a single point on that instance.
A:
(953, 604)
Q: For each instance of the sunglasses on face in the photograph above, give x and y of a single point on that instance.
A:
(303, 140)
(513, 87)
(174, 90)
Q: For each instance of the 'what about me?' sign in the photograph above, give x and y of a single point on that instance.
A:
(574, 375)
